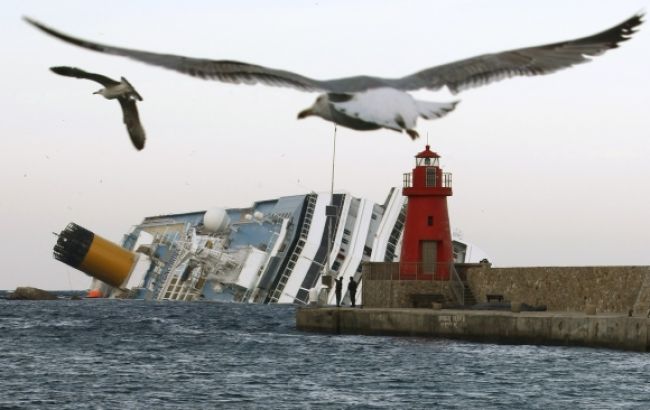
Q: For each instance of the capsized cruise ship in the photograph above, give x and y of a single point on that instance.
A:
(274, 251)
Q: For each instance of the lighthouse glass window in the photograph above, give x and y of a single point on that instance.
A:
(431, 176)
(426, 162)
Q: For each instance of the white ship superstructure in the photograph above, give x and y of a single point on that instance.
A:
(274, 251)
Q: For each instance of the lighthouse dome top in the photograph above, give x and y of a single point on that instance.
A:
(427, 153)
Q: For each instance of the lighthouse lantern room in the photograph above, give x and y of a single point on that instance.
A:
(427, 252)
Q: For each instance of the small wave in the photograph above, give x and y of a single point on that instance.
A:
(232, 355)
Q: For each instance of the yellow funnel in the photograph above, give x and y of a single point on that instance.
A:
(94, 255)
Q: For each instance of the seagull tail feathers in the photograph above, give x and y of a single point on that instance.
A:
(432, 110)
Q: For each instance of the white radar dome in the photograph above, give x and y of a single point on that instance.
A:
(216, 220)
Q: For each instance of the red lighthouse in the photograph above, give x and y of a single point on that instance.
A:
(426, 245)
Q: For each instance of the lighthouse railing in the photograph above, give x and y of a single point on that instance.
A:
(446, 179)
(409, 271)
(407, 180)
(456, 284)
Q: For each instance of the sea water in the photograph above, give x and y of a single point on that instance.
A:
(121, 354)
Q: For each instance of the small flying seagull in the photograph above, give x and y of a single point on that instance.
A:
(122, 91)
(369, 103)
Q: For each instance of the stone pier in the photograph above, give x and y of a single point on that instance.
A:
(597, 306)
(613, 331)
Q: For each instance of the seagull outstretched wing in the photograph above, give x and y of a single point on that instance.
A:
(222, 70)
(545, 59)
(127, 100)
(78, 73)
(456, 76)
(132, 121)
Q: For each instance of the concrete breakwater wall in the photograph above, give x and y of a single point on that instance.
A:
(546, 328)
(610, 289)
(605, 289)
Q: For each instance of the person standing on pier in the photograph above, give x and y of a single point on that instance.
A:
(338, 287)
(352, 288)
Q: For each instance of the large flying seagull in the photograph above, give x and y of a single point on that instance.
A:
(369, 103)
(122, 91)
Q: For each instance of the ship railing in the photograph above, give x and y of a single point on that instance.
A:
(297, 251)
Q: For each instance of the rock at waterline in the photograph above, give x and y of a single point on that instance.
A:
(28, 293)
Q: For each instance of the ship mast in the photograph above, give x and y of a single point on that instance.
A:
(330, 214)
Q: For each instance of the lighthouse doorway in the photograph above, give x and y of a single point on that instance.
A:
(429, 256)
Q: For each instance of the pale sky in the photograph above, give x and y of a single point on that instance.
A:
(550, 170)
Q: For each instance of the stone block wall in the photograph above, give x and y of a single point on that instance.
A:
(613, 289)
(642, 303)
(379, 291)
(397, 294)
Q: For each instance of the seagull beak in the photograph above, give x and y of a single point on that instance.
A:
(305, 113)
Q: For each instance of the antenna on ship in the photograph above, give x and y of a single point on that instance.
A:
(334, 160)
(330, 214)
